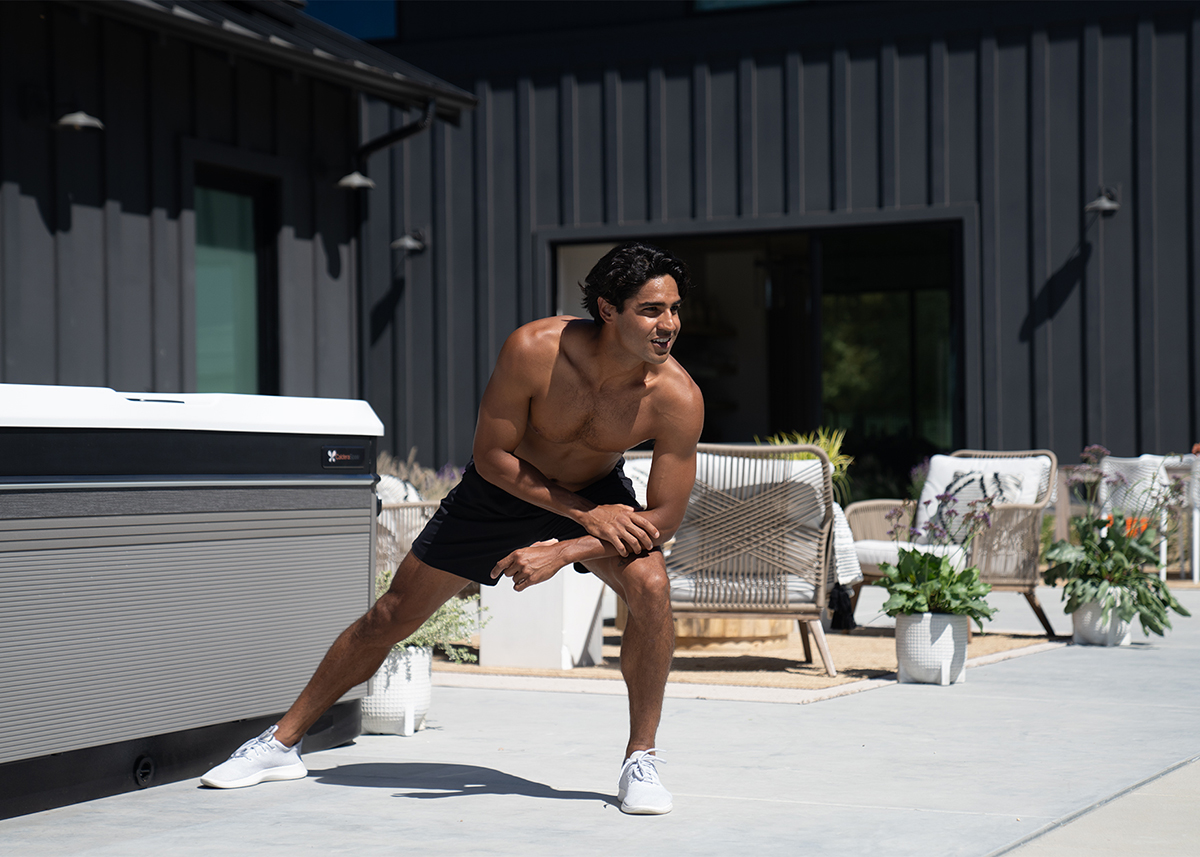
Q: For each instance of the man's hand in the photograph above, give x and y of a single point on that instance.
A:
(621, 527)
(530, 565)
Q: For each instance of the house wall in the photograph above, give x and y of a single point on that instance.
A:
(1007, 118)
(96, 230)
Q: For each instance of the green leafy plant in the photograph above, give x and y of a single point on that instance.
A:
(924, 582)
(1108, 567)
(1108, 563)
(928, 583)
(830, 442)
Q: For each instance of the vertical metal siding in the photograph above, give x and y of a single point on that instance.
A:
(1117, 290)
(93, 237)
(1080, 328)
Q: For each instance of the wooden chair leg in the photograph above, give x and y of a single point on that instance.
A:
(819, 633)
(1032, 598)
(804, 640)
(857, 587)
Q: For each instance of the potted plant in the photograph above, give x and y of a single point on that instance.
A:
(1105, 583)
(830, 442)
(933, 598)
(399, 693)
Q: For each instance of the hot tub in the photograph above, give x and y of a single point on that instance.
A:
(172, 568)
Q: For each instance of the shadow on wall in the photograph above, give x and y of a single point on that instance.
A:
(1057, 289)
(383, 312)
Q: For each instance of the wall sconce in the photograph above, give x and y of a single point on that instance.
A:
(1105, 203)
(413, 242)
(355, 181)
(79, 120)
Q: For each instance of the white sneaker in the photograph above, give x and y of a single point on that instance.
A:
(259, 760)
(639, 789)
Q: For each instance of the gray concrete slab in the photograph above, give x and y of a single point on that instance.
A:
(1158, 817)
(977, 768)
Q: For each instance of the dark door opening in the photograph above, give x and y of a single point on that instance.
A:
(851, 328)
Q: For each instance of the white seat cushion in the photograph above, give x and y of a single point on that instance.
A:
(799, 590)
(1133, 486)
(846, 569)
(392, 489)
(877, 551)
(638, 471)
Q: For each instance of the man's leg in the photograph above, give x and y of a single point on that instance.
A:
(647, 646)
(648, 642)
(417, 590)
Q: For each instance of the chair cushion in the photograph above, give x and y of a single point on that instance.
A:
(878, 551)
(392, 489)
(1133, 486)
(966, 488)
(707, 562)
(638, 471)
(1032, 471)
(846, 569)
(799, 590)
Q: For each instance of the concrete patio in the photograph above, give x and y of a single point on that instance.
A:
(1069, 750)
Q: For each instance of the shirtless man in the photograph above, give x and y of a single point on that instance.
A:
(544, 490)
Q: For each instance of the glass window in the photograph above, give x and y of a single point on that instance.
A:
(236, 318)
(226, 293)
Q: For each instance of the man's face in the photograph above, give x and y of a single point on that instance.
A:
(649, 323)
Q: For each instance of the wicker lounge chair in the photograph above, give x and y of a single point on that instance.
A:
(1136, 488)
(1006, 553)
(756, 537)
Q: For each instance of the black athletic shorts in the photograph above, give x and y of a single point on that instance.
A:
(478, 524)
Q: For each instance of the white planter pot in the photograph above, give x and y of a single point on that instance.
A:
(931, 648)
(1090, 630)
(398, 694)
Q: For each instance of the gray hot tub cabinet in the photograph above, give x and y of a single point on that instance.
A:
(172, 568)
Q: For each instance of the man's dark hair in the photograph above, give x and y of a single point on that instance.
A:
(624, 270)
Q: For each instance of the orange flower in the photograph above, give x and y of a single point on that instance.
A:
(1134, 527)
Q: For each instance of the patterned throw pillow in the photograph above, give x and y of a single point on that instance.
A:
(969, 486)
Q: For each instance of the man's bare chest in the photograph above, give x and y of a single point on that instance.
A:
(603, 421)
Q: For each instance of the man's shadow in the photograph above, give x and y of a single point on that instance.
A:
(425, 780)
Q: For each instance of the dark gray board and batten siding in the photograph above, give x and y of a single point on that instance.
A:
(96, 231)
(1006, 118)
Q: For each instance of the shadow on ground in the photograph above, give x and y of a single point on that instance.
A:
(426, 780)
(763, 663)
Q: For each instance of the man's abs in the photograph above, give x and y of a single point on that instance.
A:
(571, 465)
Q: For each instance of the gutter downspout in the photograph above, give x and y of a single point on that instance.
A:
(392, 137)
(363, 152)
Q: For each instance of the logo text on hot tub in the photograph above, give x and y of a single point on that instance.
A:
(343, 456)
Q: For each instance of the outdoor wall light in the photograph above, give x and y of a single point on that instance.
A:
(413, 242)
(356, 181)
(79, 120)
(1105, 203)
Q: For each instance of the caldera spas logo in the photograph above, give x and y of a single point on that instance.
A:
(343, 456)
